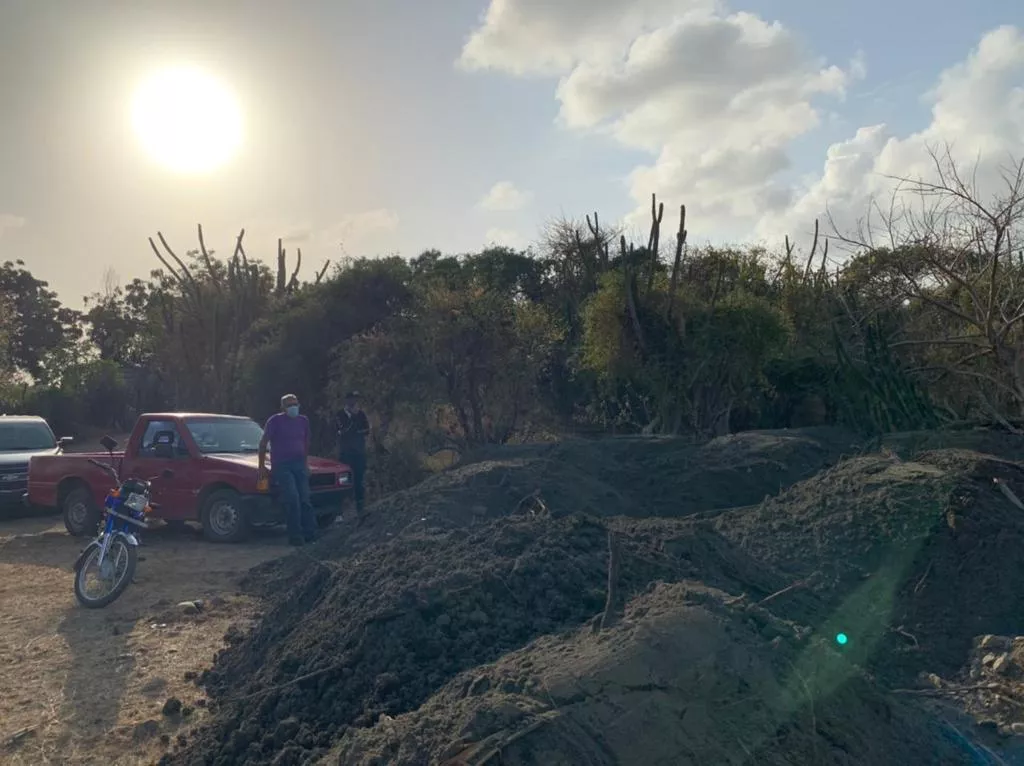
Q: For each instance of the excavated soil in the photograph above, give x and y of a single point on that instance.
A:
(685, 679)
(462, 619)
(915, 558)
(379, 633)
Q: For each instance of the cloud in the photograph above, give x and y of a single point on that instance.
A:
(718, 98)
(505, 197)
(539, 37)
(715, 97)
(360, 231)
(10, 222)
(505, 238)
(977, 108)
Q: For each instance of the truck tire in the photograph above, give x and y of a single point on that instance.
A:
(224, 518)
(81, 516)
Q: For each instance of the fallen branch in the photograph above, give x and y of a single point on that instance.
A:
(481, 752)
(1008, 493)
(920, 583)
(610, 616)
(20, 735)
(946, 690)
(315, 674)
(787, 589)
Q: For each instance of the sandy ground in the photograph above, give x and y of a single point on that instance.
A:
(80, 686)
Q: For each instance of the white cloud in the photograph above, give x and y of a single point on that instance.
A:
(10, 222)
(719, 97)
(505, 237)
(977, 108)
(543, 37)
(715, 97)
(505, 197)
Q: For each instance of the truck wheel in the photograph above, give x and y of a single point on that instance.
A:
(81, 516)
(224, 518)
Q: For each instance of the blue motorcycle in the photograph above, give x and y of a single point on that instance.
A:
(113, 556)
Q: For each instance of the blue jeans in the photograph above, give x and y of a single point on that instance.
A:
(292, 480)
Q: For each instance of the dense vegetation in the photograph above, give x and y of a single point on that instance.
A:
(587, 333)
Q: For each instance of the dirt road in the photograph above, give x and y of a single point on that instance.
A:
(82, 687)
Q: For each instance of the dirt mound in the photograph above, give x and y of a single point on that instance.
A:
(916, 558)
(686, 678)
(631, 476)
(624, 476)
(638, 477)
(376, 634)
(986, 440)
(894, 565)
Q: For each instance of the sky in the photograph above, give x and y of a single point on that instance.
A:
(374, 127)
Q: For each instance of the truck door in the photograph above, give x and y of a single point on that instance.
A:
(173, 498)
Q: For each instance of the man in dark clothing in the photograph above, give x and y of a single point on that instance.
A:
(353, 426)
(287, 435)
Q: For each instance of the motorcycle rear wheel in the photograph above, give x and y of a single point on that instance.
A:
(122, 558)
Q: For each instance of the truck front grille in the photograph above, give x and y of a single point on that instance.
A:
(323, 481)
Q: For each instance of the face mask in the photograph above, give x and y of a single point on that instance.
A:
(292, 411)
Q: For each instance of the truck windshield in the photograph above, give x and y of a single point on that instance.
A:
(236, 435)
(25, 437)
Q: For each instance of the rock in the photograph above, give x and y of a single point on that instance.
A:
(988, 659)
(997, 643)
(172, 706)
(988, 724)
(145, 730)
(480, 685)
(190, 607)
(153, 686)
(1002, 664)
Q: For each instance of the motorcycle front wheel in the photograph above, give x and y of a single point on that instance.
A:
(114, 575)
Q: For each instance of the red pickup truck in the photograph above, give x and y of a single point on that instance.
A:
(213, 459)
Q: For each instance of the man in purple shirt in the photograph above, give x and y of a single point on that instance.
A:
(287, 433)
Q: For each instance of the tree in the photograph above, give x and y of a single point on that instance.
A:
(950, 257)
(41, 327)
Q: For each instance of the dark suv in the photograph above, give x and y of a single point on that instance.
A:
(21, 437)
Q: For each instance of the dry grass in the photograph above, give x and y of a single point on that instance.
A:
(83, 687)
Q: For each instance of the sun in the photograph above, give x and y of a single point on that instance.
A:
(187, 120)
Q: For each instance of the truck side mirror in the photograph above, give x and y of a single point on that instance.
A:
(65, 441)
(108, 443)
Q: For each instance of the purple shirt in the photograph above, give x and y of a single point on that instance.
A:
(287, 437)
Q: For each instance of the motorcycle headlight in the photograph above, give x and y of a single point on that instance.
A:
(136, 502)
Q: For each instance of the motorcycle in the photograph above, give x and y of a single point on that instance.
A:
(114, 553)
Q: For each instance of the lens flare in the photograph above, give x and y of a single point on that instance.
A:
(841, 639)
